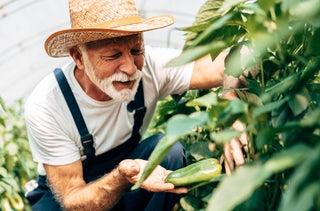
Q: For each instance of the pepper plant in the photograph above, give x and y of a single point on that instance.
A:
(16, 164)
(279, 106)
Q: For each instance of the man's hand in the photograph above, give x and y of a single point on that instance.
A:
(233, 154)
(233, 150)
(132, 170)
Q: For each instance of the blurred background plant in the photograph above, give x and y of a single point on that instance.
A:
(16, 164)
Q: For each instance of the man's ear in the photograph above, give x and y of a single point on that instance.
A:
(76, 55)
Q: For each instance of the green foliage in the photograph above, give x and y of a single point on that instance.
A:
(279, 106)
(16, 164)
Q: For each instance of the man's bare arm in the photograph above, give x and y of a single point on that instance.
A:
(68, 186)
(207, 73)
(73, 193)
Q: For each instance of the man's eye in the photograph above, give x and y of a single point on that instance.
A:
(136, 51)
(114, 56)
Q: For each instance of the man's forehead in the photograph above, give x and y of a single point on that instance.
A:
(135, 39)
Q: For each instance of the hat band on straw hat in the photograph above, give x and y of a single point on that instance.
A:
(118, 22)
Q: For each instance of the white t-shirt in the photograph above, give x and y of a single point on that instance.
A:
(53, 135)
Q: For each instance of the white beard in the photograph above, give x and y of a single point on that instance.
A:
(106, 85)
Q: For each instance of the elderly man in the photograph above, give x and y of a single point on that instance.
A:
(85, 120)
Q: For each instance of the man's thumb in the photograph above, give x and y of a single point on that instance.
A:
(129, 168)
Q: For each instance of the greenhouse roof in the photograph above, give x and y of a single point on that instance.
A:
(25, 24)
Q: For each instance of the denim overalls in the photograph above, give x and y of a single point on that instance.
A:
(94, 167)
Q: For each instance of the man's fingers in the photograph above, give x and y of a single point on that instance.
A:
(180, 190)
(237, 125)
(221, 159)
(164, 187)
(228, 159)
(236, 152)
(244, 141)
(160, 187)
(129, 168)
(227, 168)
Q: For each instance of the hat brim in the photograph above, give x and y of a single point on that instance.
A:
(59, 43)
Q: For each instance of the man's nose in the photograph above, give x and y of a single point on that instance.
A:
(128, 65)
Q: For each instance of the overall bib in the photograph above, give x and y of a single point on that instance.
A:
(95, 167)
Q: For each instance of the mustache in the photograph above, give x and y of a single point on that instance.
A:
(123, 77)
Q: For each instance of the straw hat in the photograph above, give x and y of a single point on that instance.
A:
(101, 19)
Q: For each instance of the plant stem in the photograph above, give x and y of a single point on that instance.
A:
(262, 74)
(275, 193)
(273, 14)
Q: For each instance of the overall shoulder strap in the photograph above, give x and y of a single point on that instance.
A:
(112, 157)
(86, 137)
(138, 106)
(140, 109)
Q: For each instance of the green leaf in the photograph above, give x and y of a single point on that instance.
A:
(207, 34)
(207, 13)
(180, 124)
(287, 158)
(287, 4)
(206, 101)
(235, 109)
(281, 87)
(216, 110)
(4, 186)
(2, 122)
(202, 118)
(313, 48)
(264, 137)
(305, 9)
(304, 186)
(293, 81)
(3, 172)
(24, 161)
(12, 148)
(280, 115)
(200, 150)
(237, 188)
(298, 103)
(10, 162)
(11, 181)
(269, 107)
(198, 52)
(305, 199)
(228, 4)
(233, 62)
(3, 105)
(190, 203)
(208, 10)
(245, 180)
(266, 4)
(224, 136)
(312, 119)
(253, 86)
(195, 28)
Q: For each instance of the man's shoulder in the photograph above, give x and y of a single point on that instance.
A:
(158, 57)
(47, 88)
